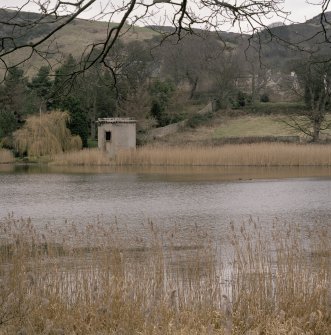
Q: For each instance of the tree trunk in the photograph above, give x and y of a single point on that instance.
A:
(93, 118)
(316, 129)
(253, 88)
(194, 88)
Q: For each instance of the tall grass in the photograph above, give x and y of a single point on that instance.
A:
(85, 157)
(259, 154)
(262, 154)
(6, 156)
(97, 280)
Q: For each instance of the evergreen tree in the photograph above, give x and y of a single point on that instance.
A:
(161, 92)
(67, 98)
(78, 123)
(13, 104)
(40, 91)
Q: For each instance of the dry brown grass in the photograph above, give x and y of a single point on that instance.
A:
(262, 154)
(98, 280)
(259, 154)
(6, 156)
(85, 157)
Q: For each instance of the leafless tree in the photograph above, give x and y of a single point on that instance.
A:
(188, 62)
(256, 74)
(224, 73)
(313, 84)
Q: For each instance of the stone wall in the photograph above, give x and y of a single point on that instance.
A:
(175, 127)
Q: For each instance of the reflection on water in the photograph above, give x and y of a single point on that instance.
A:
(207, 197)
(178, 173)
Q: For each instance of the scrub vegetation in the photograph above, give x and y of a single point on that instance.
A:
(100, 279)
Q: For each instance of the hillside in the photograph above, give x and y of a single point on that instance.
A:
(72, 39)
(78, 35)
(288, 41)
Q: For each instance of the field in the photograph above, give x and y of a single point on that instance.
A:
(253, 126)
(98, 280)
(241, 126)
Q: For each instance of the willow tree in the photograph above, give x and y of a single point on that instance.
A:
(46, 134)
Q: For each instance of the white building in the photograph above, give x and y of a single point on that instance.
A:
(115, 134)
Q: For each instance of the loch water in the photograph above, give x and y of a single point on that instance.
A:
(211, 198)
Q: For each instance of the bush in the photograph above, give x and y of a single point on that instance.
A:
(241, 100)
(8, 123)
(264, 97)
(161, 93)
(198, 120)
(92, 143)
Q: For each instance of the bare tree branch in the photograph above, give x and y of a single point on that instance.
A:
(21, 32)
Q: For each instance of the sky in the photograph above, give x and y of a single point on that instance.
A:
(300, 9)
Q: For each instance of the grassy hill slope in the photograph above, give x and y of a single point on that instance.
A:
(72, 39)
(223, 127)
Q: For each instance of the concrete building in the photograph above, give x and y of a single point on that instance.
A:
(116, 133)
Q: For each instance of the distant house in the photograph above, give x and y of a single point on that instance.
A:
(115, 134)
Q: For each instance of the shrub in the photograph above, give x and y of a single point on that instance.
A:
(264, 97)
(198, 119)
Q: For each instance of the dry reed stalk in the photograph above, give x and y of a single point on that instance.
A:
(282, 289)
(261, 154)
(85, 157)
(88, 281)
(6, 156)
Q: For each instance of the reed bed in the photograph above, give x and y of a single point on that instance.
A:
(85, 157)
(6, 156)
(95, 280)
(260, 154)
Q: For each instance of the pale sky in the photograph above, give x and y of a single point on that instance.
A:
(300, 9)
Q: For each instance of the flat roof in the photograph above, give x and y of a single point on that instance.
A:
(116, 120)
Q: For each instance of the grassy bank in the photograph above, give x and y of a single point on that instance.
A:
(93, 280)
(6, 156)
(263, 154)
